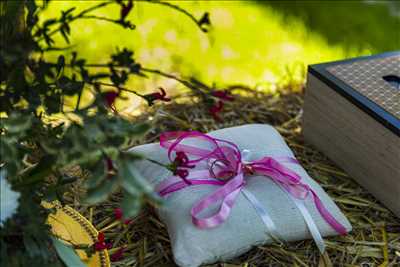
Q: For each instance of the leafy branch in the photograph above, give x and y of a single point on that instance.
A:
(65, 19)
(35, 153)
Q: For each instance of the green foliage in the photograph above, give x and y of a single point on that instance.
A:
(374, 26)
(262, 44)
(35, 152)
(67, 254)
(24, 238)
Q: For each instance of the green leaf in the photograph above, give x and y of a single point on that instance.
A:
(3, 250)
(39, 172)
(101, 192)
(17, 123)
(60, 64)
(31, 246)
(53, 103)
(132, 181)
(50, 194)
(98, 173)
(64, 32)
(205, 22)
(132, 156)
(139, 129)
(70, 87)
(49, 41)
(49, 22)
(130, 205)
(66, 12)
(124, 57)
(67, 254)
(94, 132)
(31, 17)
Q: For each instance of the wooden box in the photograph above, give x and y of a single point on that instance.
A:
(352, 115)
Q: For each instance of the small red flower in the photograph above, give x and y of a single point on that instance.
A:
(182, 160)
(180, 166)
(110, 100)
(215, 109)
(110, 165)
(183, 173)
(150, 98)
(118, 215)
(127, 221)
(101, 244)
(223, 95)
(118, 255)
(101, 237)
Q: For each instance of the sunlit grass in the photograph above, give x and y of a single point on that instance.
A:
(248, 44)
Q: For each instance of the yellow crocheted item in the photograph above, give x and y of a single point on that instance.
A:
(70, 226)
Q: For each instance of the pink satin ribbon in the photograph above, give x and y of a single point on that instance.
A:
(225, 160)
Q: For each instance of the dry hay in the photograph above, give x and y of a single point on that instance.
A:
(374, 240)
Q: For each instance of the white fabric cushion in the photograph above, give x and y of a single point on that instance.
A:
(244, 228)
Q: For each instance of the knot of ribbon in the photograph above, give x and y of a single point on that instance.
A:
(225, 166)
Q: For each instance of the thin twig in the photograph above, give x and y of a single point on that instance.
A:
(177, 8)
(80, 15)
(119, 87)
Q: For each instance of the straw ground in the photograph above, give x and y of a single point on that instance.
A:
(374, 241)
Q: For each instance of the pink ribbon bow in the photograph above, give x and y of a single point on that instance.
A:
(227, 170)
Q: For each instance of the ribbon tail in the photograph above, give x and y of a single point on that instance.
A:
(312, 227)
(264, 215)
(218, 218)
(228, 194)
(328, 216)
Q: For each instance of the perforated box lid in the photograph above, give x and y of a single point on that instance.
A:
(372, 83)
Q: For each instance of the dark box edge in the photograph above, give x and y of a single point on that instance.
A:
(361, 101)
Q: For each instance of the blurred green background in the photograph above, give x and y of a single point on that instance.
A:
(263, 44)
